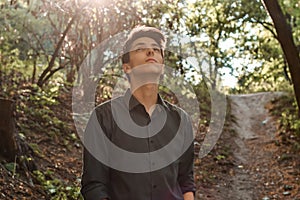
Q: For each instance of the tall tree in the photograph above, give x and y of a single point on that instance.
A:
(285, 38)
(55, 36)
(223, 30)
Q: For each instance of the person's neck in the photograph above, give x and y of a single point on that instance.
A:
(147, 95)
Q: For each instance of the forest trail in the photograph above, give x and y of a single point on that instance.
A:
(249, 163)
(254, 129)
(249, 174)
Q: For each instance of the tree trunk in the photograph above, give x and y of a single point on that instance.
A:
(8, 147)
(43, 78)
(48, 72)
(285, 38)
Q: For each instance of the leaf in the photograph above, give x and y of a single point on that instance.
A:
(10, 166)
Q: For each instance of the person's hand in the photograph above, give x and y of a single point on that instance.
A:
(188, 196)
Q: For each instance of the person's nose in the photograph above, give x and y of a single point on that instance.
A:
(150, 51)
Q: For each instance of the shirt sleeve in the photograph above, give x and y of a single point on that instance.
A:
(95, 175)
(186, 164)
(94, 180)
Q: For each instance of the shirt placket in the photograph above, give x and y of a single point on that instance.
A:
(151, 145)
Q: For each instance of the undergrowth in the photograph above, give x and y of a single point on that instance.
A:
(39, 115)
(285, 108)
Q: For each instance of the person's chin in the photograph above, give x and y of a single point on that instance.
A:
(146, 77)
(149, 69)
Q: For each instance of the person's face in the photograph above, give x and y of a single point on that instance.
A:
(145, 58)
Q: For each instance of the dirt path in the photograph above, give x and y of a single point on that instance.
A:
(246, 174)
(249, 163)
(255, 129)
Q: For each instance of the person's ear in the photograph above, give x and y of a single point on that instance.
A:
(126, 68)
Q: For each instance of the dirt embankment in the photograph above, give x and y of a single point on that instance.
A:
(246, 162)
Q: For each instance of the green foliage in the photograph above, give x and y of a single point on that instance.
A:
(236, 35)
(39, 39)
(56, 188)
(36, 149)
(228, 31)
(11, 167)
(221, 27)
(269, 77)
(291, 8)
(204, 100)
(269, 71)
(289, 119)
(37, 114)
(19, 51)
(220, 157)
(286, 110)
(36, 109)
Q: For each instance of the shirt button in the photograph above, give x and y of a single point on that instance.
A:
(151, 141)
(154, 186)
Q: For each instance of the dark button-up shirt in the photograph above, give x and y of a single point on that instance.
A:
(129, 155)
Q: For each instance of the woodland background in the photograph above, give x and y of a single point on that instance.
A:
(43, 44)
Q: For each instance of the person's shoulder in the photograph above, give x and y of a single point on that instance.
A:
(103, 106)
(180, 112)
(106, 105)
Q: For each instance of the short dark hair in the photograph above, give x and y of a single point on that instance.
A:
(143, 31)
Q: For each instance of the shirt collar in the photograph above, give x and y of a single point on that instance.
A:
(132, 102)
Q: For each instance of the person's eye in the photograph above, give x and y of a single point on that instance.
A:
(156, 49)
(139, 49)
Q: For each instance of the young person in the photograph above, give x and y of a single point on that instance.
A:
(149, 178)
